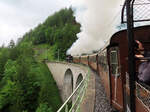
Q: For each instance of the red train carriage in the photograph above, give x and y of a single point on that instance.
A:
(118, 68)
(103, 70)
(84, 59)
(113, 69)
(93, 61)
(111, 63)
(76, 59)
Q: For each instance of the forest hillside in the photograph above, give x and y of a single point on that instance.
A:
(26, 84)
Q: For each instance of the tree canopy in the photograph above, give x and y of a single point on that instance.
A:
(58, 30)
(26, 84)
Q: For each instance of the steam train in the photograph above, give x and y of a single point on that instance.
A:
(111, 64)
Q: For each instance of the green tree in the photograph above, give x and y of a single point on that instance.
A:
(26, 84)
(4, 56)
(11, 44)
(6, 96)
(44, 108)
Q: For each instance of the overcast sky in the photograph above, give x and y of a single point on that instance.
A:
(19, 16)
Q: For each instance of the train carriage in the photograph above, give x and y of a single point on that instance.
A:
(115, 77)
(111, 63)
(93, 61)
(103, 69)
(118, 54)
(84, 59)
(118, 67)
(76, 59)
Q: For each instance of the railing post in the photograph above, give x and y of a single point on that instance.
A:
(131, 54)
(66, 108)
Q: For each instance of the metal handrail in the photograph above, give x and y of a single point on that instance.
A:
(143, 58)
(142, 87)
(74, 92)
(76, 99)
(144, 100)
(70, 96)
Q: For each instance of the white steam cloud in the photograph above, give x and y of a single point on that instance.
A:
(98, 20)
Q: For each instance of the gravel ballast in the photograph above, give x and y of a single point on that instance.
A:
(101, 101)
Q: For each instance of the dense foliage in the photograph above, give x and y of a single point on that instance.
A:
(26, 84)
(59, 31)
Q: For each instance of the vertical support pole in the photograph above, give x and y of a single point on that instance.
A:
(58, 54)
(131, 54)
(97, 63)
(88, 60)
(46, 53)
(66, 108)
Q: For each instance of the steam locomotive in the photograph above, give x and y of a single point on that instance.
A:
(111, 64)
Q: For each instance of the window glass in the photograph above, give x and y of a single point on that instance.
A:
(113, 57)
(93, 58)
(102, 60)
(114, 62)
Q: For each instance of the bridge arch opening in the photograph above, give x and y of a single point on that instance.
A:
(68, 84)
(79, 79)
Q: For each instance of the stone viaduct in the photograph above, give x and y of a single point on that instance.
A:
(68, 76)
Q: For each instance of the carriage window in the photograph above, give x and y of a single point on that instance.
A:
(93, 59)
(114, 62)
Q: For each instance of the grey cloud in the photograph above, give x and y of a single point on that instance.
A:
(19, 16)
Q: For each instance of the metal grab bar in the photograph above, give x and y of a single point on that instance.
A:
(142, 58)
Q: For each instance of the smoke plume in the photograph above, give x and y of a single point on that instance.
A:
(98, 19)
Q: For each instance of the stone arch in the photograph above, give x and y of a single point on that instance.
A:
(68, 83)
(79, 79)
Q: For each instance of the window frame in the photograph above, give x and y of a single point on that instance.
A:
(114, 63)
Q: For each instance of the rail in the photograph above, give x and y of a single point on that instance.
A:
(143, 94)
(72, 104)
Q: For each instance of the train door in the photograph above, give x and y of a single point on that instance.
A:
(115, 78)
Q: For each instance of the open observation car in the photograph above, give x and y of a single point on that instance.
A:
(116, 63)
